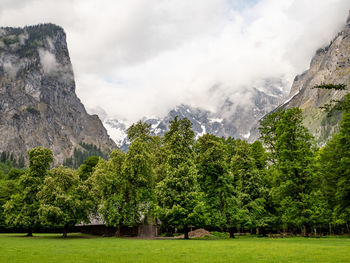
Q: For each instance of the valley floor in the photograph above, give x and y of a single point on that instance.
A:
(84, 248)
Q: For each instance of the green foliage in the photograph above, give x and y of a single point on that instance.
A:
(60, 202)
(139, 130)
(108, 187)
(331, 86)
(8, 187)
(138, 173)
(86, 169)
(215, 180)
(10, 40)
(179, 141)
(83, 152)
(335, 106)
(125, 185)
(247, 170)
(334, 160)
(37, 37)
(216, 183)
(180, 202)
(292, 155)
(8, 161)
(22, 208)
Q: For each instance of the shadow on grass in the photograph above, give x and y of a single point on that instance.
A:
(55, 236)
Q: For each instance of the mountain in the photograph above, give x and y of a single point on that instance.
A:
(234, 117)
(330, 65)
(38, 105)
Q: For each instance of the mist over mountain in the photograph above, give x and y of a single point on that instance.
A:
(237, 115)
(330, 65)
(232, 119)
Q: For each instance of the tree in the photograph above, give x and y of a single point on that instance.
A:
(8, 187)
(109, 187)
(125, 184)
(139, 178)
(60, 202)
(334, 160)
(139, 130)
(85, 170)
(22, 208)
(180, 202)
(249, 185)
(215, 181)
(292, 155)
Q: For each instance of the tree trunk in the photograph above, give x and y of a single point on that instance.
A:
(30, 232)
(232, 232)
(65, 231)
(186, 230)
(347, 227)
(117, 234)
(315, 230)
(303, 231)
(263, 232)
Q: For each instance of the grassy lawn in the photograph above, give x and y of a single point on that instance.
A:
(82, 248)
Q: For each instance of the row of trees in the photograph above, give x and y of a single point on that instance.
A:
(178, 182)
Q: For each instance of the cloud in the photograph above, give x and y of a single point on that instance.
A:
(10, 68)
(48, 61)
(136, 57)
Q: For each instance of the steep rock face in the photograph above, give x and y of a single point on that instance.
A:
(38, 104)
(329, 65)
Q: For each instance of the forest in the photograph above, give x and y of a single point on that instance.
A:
(282, 183)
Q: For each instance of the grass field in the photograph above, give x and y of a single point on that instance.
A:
(82, 248)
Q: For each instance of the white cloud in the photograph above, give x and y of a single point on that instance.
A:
(48, 61)
(10, 69)
(136, 57)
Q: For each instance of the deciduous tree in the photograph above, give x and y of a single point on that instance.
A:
(22, 208)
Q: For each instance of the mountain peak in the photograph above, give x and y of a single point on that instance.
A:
(39, 106)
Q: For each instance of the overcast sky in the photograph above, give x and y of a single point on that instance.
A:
(142, 57)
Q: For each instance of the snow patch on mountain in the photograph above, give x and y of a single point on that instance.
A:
(116, 129)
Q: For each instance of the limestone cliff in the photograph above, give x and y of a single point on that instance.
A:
(329, 65)
(38, 104)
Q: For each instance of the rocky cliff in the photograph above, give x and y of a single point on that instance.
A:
(38, 104)
(330, 65)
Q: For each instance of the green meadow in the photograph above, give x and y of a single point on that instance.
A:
(84, 248)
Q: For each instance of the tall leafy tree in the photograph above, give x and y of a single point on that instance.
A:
(180, 202)
(22, 208)
(126, 182)
(292, 153)
(249, 186)
(108, 188)
(216, 181)
(8, 187)
(335, 168)
(61, 205)
(139, 177)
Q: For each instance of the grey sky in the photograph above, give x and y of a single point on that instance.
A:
(137, 57)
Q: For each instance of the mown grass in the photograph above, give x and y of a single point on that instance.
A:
(82, 248)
